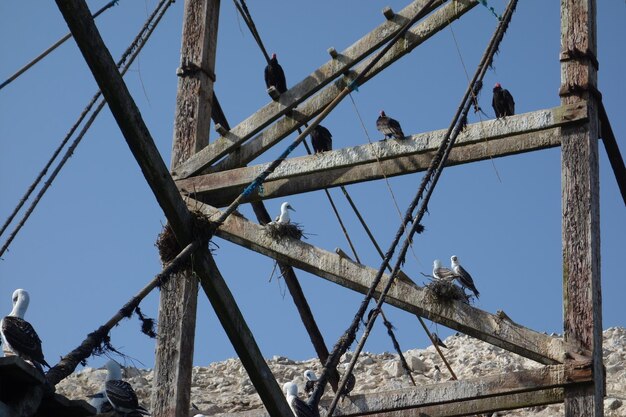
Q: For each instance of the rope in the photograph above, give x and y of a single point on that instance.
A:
(130, 54)
(69, 362)
(424, 193)
(247, 17)
(53, 47)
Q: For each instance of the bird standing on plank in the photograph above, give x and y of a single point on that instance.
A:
(502, 102)
(275, 76)
(321, 139)
(311, 379)
(283, 217)
(441, 272)
(298, 407)
(18, 336)
(463, 276)
(388, 126)
(120, 393)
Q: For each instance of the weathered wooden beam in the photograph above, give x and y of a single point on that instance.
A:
(580, 202)
(128, 117)
(456, 315)
(322, 76)
(171, 387)
(469, 389)
(493, 138)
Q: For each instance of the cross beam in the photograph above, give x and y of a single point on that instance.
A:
(132, 126)
(494, 138)
(493, 329)
(262, 118)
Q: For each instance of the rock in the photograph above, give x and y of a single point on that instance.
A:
(416, 364)
(612, 403)
(393, 369)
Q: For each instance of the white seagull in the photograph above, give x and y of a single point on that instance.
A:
(441, 272)
(18, 335)
(284, 218)
(463, 276)
(298, 407)
(120, 393)
(311, 379)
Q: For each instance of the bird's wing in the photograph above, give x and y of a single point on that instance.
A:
(121, 395)
(350, 383)
(281, 82)
(394, 125)
(510, 103)
(302, 409)
(268, 76)
(466, 280)
(381, 123)
(23, 338)
(444, 273)
(309, 386)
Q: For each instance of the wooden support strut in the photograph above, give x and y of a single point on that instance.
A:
(409, 297)
(521, 133)
(580, 184)
(128, 117)
(297, 94)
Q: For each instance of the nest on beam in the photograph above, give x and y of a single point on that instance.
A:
(445, 290)
(169, 247)
(279, 231)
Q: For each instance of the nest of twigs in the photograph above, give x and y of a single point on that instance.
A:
(446, 290)
(168, 245)
(279, 231)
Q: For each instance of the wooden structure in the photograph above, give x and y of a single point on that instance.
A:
(573, 373)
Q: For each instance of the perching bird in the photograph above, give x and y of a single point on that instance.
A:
(275, 76)
(18, 336)
(502, 102)
(311, 379)
(120, 393)
(463, 276)
(299, 407)
(321, 139)
(350, 384)
(388, 126)
(284, 218)
(438, 341)
(441, 272)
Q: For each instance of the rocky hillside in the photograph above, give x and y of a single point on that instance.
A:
(224, 387)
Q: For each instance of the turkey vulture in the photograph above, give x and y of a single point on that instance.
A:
(388, 126)
(321, 139)
(463, 276)
(503, 103)
(274, 76)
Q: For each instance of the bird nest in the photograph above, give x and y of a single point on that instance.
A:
(169, 247)
(439, 289)
(278, 231)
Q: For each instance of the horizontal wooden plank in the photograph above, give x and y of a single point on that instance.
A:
(456, 315)
(493, 138)
(318, 79)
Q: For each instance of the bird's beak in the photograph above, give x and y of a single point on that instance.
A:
(291, 208)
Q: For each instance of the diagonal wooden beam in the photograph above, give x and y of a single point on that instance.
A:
(516, 134)
(128, 117)
(476, 395)
(493, 329)
(270, 113)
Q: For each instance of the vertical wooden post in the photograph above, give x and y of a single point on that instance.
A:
(179, 296)
(582, 301)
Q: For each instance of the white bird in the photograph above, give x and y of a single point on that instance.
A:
(298, 407)
(284, 218)
(18, 335)
(463, 276)
(120, 393)
(311, 379)
(441, 272)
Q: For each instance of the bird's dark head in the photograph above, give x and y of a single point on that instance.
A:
(382, 113)
(497, 87)
(274, 56)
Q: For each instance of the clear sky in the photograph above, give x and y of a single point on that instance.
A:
(89, 246)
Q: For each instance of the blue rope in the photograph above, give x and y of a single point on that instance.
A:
(484, 3)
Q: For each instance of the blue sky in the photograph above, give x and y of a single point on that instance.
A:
(89, 246)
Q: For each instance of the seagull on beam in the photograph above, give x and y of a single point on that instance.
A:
(463, 276)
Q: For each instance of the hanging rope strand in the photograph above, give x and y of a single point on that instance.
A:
(431, 177)
(52, 48)
(130, 54)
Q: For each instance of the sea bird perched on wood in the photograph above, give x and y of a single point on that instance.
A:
(441, 272)
(502, 102)
(283, 217)
(120, 393)
(275, 76)
(321, 139)
(18, 335)
(311, 379)
(463, 276)
(299, 407)
(388, 126)
(438, 341)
